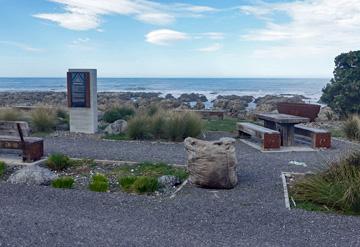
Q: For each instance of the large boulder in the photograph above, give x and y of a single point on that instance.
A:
(32, 175)
(212, 164)
(192, 97)
(269, 103)
(117, 127)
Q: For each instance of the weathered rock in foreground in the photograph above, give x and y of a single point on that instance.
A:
(117, 127)
(212, 164)
(32, 175)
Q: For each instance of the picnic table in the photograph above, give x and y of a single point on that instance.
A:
(283, 123)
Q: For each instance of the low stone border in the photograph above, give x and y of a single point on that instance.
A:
(286, 192)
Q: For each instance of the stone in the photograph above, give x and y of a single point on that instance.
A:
(118, 127)
(212, 164)
(199, 105)
(326, 114)
(168, 181)
(192, 97)
(268, 103)
(32, 175)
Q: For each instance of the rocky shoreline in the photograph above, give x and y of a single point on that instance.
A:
(234, 105)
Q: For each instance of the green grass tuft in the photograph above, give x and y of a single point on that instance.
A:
(228, 124)
(63, 182)
(139, 184)
(99, 183)
(58, 162)
(2, 168)
(351, 128)
(117, 113)
(43, 120)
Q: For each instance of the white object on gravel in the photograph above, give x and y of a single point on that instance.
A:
(117, 127)
(296, 163)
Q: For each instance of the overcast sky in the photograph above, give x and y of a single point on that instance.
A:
(203, 38)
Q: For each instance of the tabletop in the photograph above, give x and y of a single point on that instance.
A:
(282, 118)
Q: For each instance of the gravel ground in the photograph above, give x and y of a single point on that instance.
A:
(252, 214)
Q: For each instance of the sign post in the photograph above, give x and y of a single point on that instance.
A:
(82, 100)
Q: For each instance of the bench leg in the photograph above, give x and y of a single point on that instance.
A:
(321, 140)
(270, 125)
(33, 151)
(287, 132)
(271, 141)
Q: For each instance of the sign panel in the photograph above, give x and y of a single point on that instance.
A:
(78, 84)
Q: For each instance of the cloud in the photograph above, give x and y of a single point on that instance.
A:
(165, 36)
(212, 48)
(21, 46)
(214, 35)
(314, 27)
(86, 14)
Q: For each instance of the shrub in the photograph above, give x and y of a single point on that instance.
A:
(152, 109)
(193, 125)
(157, 125)
(63, 182)
(11, 115)
(337, 188)
(181, 125)
(127, 182)
(43, 119)
(351, 128)
(117, 113)
(99, 183)
(141, 184)
(139, 128)
(2, 168)
(58, 162)
(342, 94)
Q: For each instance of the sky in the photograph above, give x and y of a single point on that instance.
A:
(201, 38)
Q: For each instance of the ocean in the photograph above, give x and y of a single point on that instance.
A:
(211, 87)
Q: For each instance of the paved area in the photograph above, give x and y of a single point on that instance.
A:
(252, 214)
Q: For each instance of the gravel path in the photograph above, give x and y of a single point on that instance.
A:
(252, 214)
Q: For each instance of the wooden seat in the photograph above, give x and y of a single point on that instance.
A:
(270, 138)
(319, 138)
(14, 135)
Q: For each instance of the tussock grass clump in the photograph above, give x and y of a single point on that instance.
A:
(139, 185)
(2, 168)
(43, 119)
(58, 162)
(7, 114)
(337, 188)
(99, 183)
(117, 113)
(351, 128)
(63, 183)
(174, 126)
(139, 128)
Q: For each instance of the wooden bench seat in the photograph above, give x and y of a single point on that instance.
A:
(319, 138)
(14, 135)
(270, 138)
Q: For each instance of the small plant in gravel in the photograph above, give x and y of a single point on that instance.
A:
(99, 183)
(351, 128)
(337, 188)
(63, 182)
(43, 119)
(117, 113)
(2, 168)
(58, 162)
(139, 185)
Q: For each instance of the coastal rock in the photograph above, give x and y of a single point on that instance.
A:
(212, 164)
(269, 103)
(169, 96)
(199, 105)
(233, 104)
(117, 127)
(32, 175)
(192, 97)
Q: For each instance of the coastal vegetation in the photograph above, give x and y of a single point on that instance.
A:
(63, 183)
(9, 114)
(2, 168)
(335, 189)
(351, 128)
(58, 162)
(167, 125)
(116, 113)
(99, 183)
(342, 94)
(43, 119)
